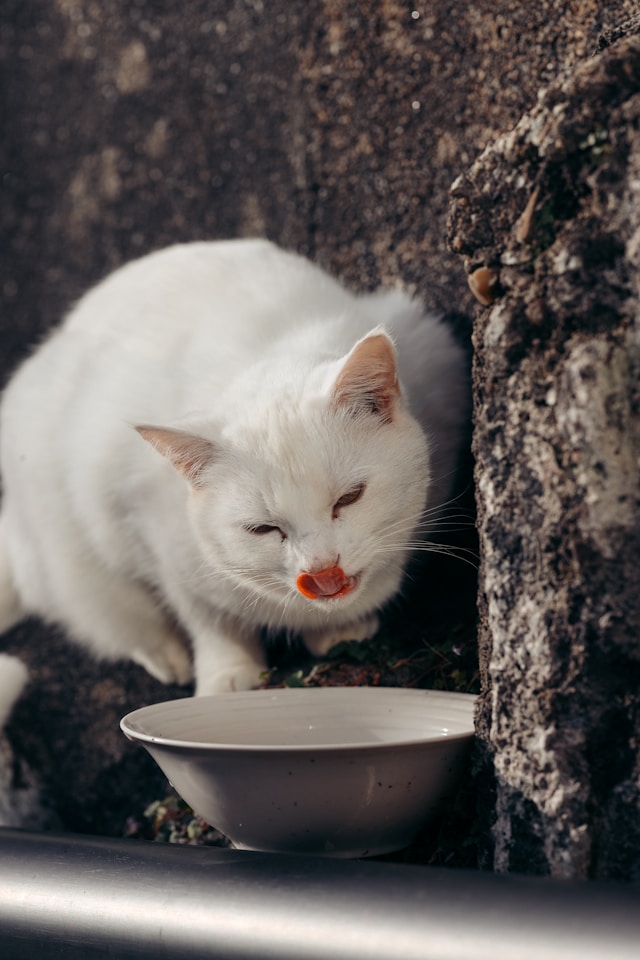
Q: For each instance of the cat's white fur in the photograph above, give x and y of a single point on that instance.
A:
(266, 393)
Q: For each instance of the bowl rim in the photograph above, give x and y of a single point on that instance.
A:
(468, 699)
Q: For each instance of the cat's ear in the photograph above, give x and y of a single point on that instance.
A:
(368, 379)
(189, 454)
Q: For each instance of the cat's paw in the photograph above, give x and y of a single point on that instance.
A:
(320, 642)
(169, 662)
(238, 677)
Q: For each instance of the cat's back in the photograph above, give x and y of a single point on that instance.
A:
(236, 289)
(191, 313)
(164, 336)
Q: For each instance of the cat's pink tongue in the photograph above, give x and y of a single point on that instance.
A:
(332, 582)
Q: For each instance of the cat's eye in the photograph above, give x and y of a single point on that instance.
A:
(351, 496)
(263, 528)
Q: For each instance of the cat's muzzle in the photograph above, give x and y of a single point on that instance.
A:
(325, 584)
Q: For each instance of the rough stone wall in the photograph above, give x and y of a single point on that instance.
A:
(549, 224)
(335, 129)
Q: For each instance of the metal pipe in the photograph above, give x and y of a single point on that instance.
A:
(81, 897)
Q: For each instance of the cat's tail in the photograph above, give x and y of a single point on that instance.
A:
(10, 606)
(13, 678)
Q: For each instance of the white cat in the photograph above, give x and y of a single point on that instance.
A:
(291, 450)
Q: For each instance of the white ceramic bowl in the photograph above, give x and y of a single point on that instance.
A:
(338, 771)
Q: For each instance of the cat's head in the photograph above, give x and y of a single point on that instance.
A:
(304, 505)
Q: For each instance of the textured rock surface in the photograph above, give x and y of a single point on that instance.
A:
(552, 210)
(333, 128)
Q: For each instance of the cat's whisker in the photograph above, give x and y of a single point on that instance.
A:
(238, 576)
(438, 529)
(393, 545)
(403, 536)
(458, 553)
(458, 519)
(452, 500)
(197, 578)
(431, 517)
(281, 622)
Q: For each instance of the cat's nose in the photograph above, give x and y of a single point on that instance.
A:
(332, 582)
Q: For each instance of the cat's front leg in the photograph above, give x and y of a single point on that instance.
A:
(319, 642)
(166, 658)
(228, 656)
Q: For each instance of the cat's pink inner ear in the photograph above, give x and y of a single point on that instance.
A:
(190, 455)
(369, 377)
